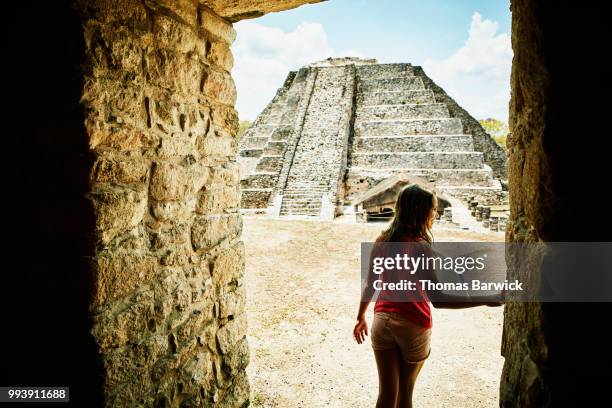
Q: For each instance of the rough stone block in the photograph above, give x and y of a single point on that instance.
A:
(178, 147)
(217, 144)
(175, 182)
(237, 359)
(229, 265)
(117, 211)
(220, 54)
(225, 117)
(119, 170)
(186, 11)
(196, 372)
(218, 85)
(113, 330)
(228, 174)
(209, 231)
(172, 70)
(238, 394)
(231, 333)
(232, 303)
(170, 34)
(216, 25)
(118, 136)
(216, 200)
(119, 274)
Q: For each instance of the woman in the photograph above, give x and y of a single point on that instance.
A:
(401, 330)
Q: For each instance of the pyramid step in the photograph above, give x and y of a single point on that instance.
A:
(302, 206)
(305, 203)
(260, 180)
(382, 71)
(296, 212)
(414, 143)
(411, 83)
(254, 152)
(397, 97)
(446, 177)
(253, 142)
(269, 163)
(275, 148)
(439, 126)
(255, 198)
(419, 160)
(407, 111)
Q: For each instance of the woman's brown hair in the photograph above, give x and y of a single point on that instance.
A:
(412, 211)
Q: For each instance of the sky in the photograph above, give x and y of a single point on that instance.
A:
(463, 45)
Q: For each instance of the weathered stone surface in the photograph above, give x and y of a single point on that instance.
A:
(232, 303)
(215, 200)
(158, 99)
(238, 393)
(218, 85)
(128, 325)
(232, 332)
(119, 170)
(117, 211)
(239, 10)
(216, 25)
(120, 274)
(540, 359)
(175, 182)
(229, 266)
(211, 230)
(237, 359)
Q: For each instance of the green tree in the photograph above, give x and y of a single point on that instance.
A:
(498, 130)
(244, 125)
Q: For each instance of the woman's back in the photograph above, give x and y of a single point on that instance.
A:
(414, 305)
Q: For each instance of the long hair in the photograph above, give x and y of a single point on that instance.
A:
(412, 211)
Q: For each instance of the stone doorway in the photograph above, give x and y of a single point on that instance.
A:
(125, 253)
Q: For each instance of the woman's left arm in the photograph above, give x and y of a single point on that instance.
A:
(449, 301)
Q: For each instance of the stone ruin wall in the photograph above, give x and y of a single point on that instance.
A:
(168, 302)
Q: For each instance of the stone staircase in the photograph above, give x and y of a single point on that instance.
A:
(265, 142)
(318, 153)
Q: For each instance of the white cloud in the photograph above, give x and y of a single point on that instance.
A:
(264, 56)
(477, 75)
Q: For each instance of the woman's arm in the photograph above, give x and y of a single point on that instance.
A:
(449, 301)
(361, 327)
(368, 291)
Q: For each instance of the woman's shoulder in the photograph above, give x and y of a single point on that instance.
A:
(412, 238)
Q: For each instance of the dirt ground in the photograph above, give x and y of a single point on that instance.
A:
(303, 288)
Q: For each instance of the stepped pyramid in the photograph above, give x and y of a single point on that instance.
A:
(338, 127)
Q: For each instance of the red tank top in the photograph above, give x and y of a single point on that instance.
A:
(417, 311)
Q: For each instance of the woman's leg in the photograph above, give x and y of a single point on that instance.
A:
(387, 362)
(407, 378)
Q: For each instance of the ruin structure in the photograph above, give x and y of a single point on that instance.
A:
(123, 258)
(338, 127)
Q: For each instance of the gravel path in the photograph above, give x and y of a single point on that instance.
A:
(303, 287)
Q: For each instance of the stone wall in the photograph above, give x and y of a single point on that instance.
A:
(555, 166)
(168, 298)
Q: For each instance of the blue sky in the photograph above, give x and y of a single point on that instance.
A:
(464, 45)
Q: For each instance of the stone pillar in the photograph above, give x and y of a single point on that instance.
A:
(555, 352)
(168, 299)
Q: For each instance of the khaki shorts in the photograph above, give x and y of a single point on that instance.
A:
(391, 330)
